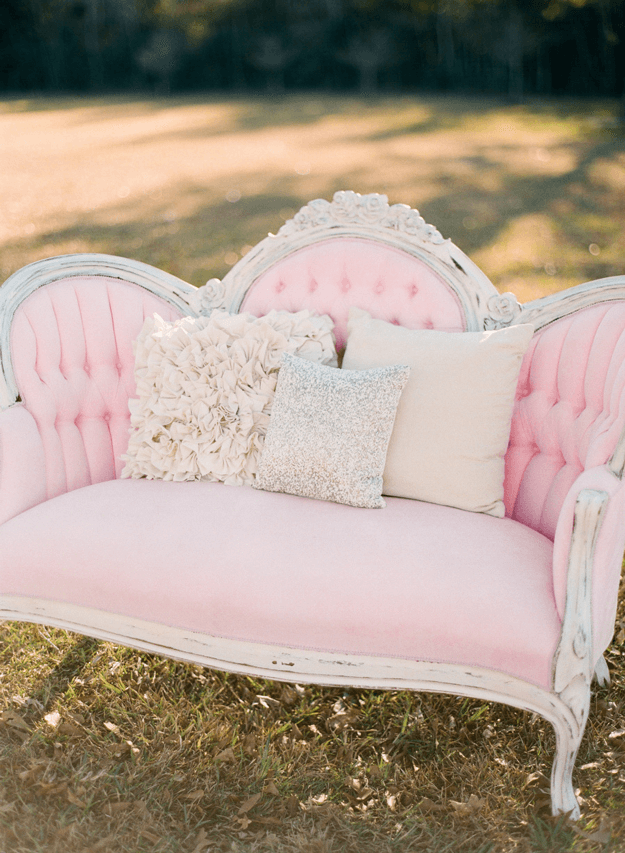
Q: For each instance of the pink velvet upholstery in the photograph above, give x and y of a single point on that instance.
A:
(569, 413)
(71, 346)
(332, 276)
(22, 462)
(296, 572)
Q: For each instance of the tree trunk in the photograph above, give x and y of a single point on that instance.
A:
(516, 39)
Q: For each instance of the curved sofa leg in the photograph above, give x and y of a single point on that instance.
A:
(563, 799)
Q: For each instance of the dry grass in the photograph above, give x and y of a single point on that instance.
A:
(105, 749)
(535, 194)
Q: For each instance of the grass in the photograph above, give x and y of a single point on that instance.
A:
(106, 749)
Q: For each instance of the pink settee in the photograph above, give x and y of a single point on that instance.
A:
(517, 610)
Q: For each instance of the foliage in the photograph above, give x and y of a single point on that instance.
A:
(511, 46)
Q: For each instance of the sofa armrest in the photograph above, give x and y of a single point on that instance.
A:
(22, 463)
(607, 558)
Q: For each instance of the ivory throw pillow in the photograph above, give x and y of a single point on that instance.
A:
(453, 420)
(205, 389)
(329, 431)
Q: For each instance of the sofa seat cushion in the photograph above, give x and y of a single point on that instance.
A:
(414, 580)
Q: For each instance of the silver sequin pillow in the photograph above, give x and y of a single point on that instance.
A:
(329, 431)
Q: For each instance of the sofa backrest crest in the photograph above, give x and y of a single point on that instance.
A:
(332, 275)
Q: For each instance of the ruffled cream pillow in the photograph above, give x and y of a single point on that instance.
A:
(205, 388)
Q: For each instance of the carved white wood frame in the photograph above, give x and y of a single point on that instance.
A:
(367, 217)
(19, 286)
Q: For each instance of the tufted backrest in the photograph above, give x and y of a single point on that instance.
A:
(569, 411)
(71, 349)
(332, 275)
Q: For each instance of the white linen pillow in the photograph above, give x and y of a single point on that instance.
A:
(205, 389)
(453, 420)
(329, 431)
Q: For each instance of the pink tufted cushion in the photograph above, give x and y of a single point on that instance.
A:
(392, 582)
(569, 413)
(71, 347)
(331, 276)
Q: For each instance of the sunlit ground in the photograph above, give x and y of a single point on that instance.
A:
(535, 194)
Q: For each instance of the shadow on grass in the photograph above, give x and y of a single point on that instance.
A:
(193, 232)
(73, 662)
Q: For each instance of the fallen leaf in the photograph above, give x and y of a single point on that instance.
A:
(15, 721)
(270, 788)
(243, 822)
(103, 843)
(602, 835)
(296, 731)
(195, 795)
(226, 755)
(535, 777)
(269, 703)
(142, 810)
(112, 727)
(428, 805)
(151, 836)
(49, 788)
(472, 805)
(53, 719)
(248, 805)
(66, 830)
(249, 744)
(292, 805)
(122, 805)
(288, 696)
(75, 801)
(268, 821)
(200, 842)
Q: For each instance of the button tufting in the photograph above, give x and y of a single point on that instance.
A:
(119, 366)
(312, 285)
(280, 286)
(379, 288)
(107, 417)
(345, 284)
(413, 290)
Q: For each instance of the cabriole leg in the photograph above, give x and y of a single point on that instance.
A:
(563, 799)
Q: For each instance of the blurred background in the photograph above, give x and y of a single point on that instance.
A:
(179, 132)
(542, 47)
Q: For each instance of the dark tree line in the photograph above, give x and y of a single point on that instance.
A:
(500, 46)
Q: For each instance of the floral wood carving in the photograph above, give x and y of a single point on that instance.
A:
(503, 310)
(350, 208)
(208, 297)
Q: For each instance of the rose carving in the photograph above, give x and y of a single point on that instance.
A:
(208, 297)
(503, 309)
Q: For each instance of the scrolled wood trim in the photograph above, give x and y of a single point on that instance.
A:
(366, 217)
(572, 662)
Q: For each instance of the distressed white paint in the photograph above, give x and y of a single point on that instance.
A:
(367, 217)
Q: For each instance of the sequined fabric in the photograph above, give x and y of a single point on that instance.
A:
(329, 432)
